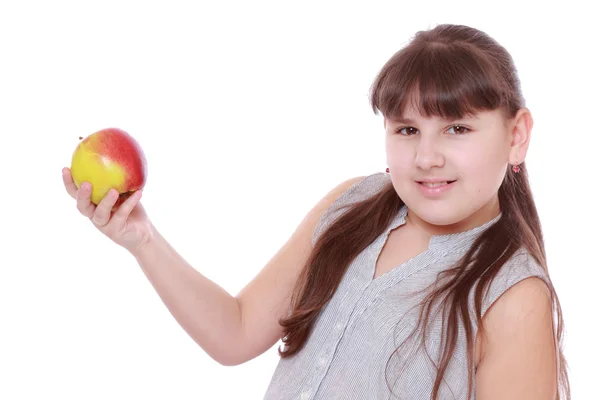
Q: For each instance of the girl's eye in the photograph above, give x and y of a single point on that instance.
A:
(459, 129)
(464, 130)
(399, 130)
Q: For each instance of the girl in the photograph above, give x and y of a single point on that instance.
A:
(428, 281)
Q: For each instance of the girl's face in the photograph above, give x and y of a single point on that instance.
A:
(472, 154)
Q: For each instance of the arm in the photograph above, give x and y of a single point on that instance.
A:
(204, 310)
(233, 330)
(518, 359)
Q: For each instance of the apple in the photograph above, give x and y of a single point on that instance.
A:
(109, 158)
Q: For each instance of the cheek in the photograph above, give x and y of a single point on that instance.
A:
(482, 171)
(483, 153)
(400, 158)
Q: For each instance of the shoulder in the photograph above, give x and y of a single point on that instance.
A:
(518, 347)
(528, 301)
(345, 194)
(360, 187)
(520, 267)
(357, 189)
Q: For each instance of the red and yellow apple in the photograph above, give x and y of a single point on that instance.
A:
(109, 158)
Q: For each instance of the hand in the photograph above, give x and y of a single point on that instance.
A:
(120, 218)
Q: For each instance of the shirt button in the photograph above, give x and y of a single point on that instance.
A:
(304, 395)
(323, 361)
(338, 326)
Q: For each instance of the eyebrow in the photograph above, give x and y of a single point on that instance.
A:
(409, 121)
(402, 120)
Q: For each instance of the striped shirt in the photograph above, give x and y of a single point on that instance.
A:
(358, 330)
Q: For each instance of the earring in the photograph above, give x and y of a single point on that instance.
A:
(387, 170)
(516, 169)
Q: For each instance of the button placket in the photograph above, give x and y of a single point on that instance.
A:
(327, 353)
(354, 295)
(368, 297)
(305, 395)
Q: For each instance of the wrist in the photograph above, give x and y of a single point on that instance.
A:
(148, 244)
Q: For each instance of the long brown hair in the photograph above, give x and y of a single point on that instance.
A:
(456, 70)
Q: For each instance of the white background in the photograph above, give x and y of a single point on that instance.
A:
(248, 112)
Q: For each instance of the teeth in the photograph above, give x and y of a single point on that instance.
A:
(434, 184)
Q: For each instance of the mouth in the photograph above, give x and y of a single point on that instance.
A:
(435, 189)
(435, 184)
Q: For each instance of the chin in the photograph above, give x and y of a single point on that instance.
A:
(437, 214)
(437, 218)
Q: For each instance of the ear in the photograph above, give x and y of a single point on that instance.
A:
(520, 136)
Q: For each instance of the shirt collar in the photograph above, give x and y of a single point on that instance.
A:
(449, 242)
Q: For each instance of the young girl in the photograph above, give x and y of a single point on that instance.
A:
(428, 281)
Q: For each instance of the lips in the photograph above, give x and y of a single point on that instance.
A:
(435, 189)
(435, 183)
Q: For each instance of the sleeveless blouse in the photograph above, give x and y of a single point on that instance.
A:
(357, 331)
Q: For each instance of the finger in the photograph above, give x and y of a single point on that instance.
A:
(102, 213)
(68, 182)
(127, 207)
(84, 205)
(122, 198)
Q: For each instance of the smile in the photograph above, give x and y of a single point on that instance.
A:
(434, 189)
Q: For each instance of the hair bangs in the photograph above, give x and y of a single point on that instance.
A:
(449, 81)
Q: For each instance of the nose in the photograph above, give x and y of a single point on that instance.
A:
(428, 154)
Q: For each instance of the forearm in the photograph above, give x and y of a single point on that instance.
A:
(209, 314)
